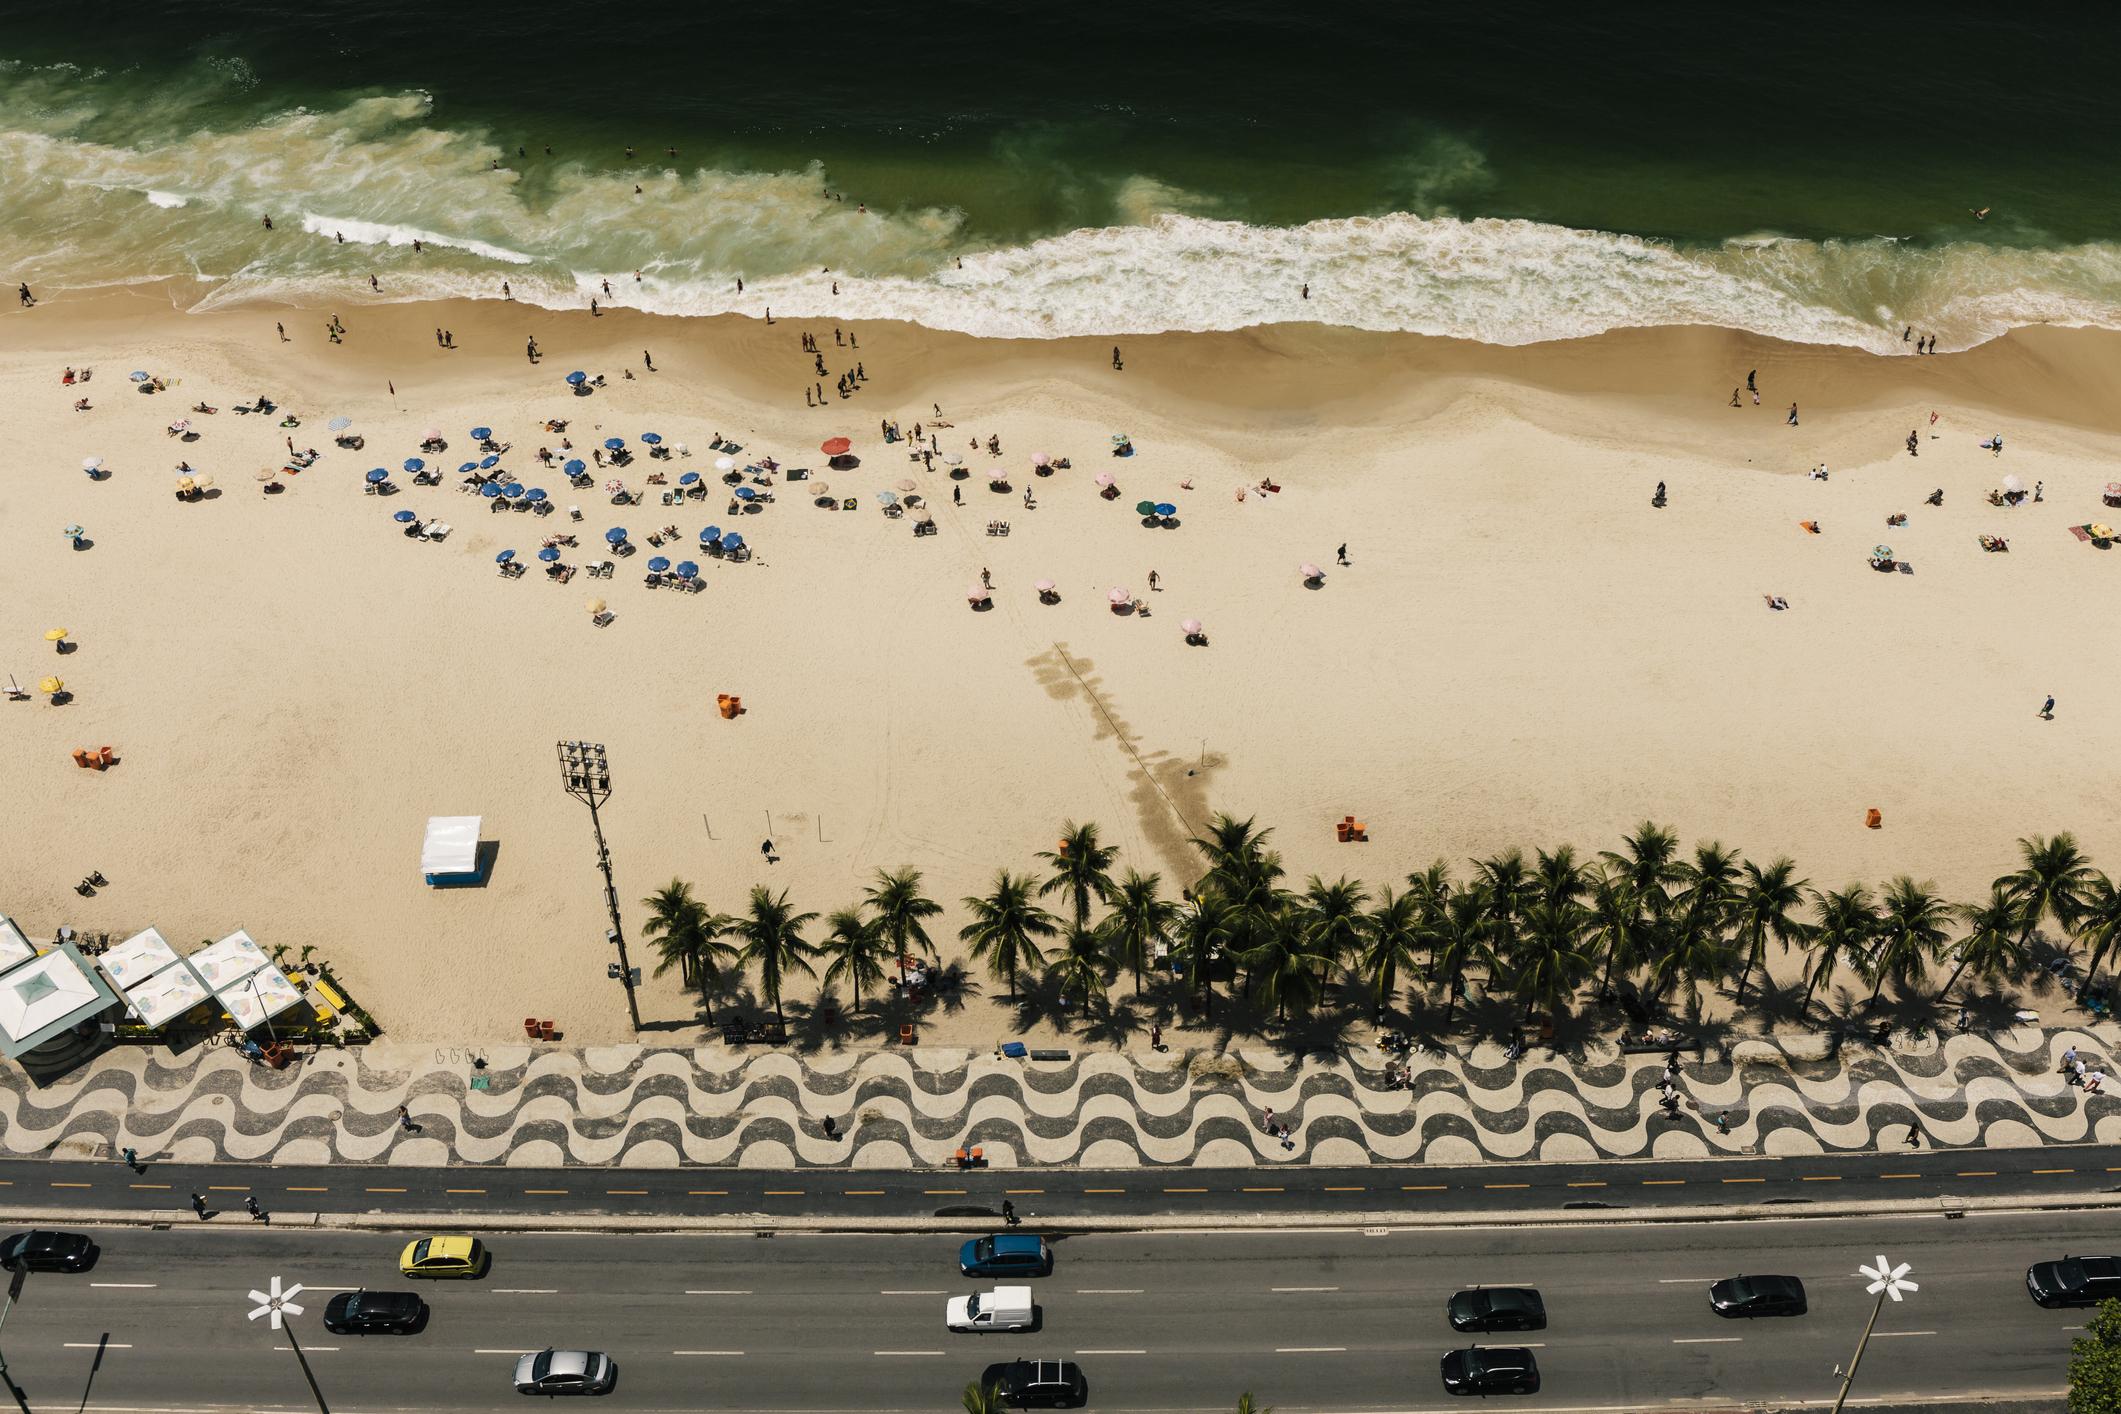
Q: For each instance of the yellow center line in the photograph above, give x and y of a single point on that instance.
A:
(1262, 1190)
(1023, 1190)
(626, 1193)
(1662, 1182)
(1345, 1190)
(1977, 1173)
(1421, 1187)
(150, 1185)
(1900, 1175)
(1105, 1190)
(69, 1185)
(7, 1183)
(707, 1192)
(944, 1192)
(1821, 1178)
(1505, 1185)
(863, 1192)
(463, 1190)
(546, 1192)
(227, 1188)
(1589, 1183)
(289, 1190)
(1198, 1190)
(2054, 1170)
(386, 1190)
(783, 1192)
(1745, 1180)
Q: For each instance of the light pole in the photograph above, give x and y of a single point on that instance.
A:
(588, 778)
(1886, 1280)
(277, 1305)
(14, 1290)
(262, 1013)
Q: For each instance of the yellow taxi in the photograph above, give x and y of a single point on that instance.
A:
(443, 1257)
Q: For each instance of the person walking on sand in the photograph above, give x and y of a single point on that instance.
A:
(506, 293)
(1116, 364)
(1152, 581)
(27, 298)
(1341, 555)
(986, 580)
(766, 850)
(281, 330)
(1793, 415)
(1734, 397)
(2047, 709)
(530, 349)
(1750, 385)
(648, 359)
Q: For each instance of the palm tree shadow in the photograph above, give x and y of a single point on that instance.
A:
(1776, 1003)
(1112, 1023)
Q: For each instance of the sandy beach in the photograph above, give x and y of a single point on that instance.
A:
(1521, 651)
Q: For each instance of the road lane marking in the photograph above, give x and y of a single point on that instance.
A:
(126, 1285)
(292, 1190)
(305, 1349)
(1201, 1190)
(1977, 1173)
(227, 1188)
(1262, 1190)
(707, 1193)
(1745, 1180)
(1662, 1182)
(1108, 1291)
(863, 1192)
(1706, 1339)
(526, 1291)
(1587, 1185)
(1821, 1177)
(385, 1190)
(909, 1293)
(625, 1193)
(546, 1192)
(463, 1190)
(504, 1352)
(312, 1286)
(1900, 1175)
(1883, 1335)
(1303, 1288)
(1111, 1352)
(906, 1352)
(1505, 1185)
(2035, 1171)
(163, 1186)
(1108, 1190)
(1347, 1190)
(706, 1352)
(715, 1291)
(1683, 1281)
(944, 1192)
(1310, 1349)
(56, 1184)
(1023, 1190)
(1421, 1187)
(782, 1192)
(95, 1345)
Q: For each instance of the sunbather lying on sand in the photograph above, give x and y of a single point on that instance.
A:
(1776, 601)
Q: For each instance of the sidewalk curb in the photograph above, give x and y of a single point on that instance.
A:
(760, 1224)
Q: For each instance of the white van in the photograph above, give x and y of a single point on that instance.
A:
(1006, 1308)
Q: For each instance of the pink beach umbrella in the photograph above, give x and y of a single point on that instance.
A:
(1044, 586)
(1120, 596)
(1041, 460)
(1103, 478)
(1189, 627)
(977, 594)
(1310, 571)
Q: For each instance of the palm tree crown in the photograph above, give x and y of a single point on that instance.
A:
(1006, 928)
(774, 943)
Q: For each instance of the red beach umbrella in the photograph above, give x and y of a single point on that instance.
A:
(835, 446)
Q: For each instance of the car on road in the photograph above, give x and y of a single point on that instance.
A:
(42, 1251)
(1006, 1308)
(1038, 1384)
(1006, 1254)
(1757, 1296)
(1491, 1369)
(374, 1313)
(566, 1372)
(444, 1257)
(2073, 1281)
(1497, 1308)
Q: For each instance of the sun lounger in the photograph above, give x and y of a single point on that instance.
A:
(436, 530)
(602, 620)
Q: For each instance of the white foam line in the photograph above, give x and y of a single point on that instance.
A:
(1706, 1339)
(706, 1352)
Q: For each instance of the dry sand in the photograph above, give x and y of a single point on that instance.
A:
(1521, 652)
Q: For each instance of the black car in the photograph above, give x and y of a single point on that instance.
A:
(1757, 1296)
(374, 1312)
(1491, 1369)
(1038, 1384)
(2073, 1281)
(47, 1252)
(1497, 1308)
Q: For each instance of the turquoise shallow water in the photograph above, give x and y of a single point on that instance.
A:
(1500, 171)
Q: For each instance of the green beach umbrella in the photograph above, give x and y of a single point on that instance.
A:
(1145, 508)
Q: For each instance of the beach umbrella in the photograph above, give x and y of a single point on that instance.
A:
(548, 554)
(596, 606)
(725, 463)
(1120, 596)
(614, 487)
(1145, 508)
(1165, 508)
(659, 564)
(1103, 478)
(139, 375)
(924, 517)
(834, 446)
(2113, 488)
(1190, 627)
(1041, 460)
(184, 483)
(687, 569)
(732, 541)
(534, 495)
(578, 377)
(2102, 531)
(468, 467)
(51, 685)
(615, 536)
(432, 434)
(490, 490)
(998, 477)
(888, 498)
(711, 534)
(2012, 483)
(403, 516)
(745, 493)
(55, 635)
(1310, 571)
(1043, 586)
(653, 439)
(512, 490)
(91, 463)
(953, 459)
(266, 473)
(378, 474)
(488, 463)
(1881, 552)
(689, 478)
(72, 532)
(203, 482)
(504, 557)
(904, 483)
(339, 424)
(612, 444)
(415, 464)
(817, 488)
(480, 434)
(977, 593)
(574, 468)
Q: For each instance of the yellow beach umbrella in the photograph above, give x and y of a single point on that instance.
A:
(267, 473)
(2102, 532)
(51, 685)
(185, 483)
(53, 635)
(596, 606)
(204, 482)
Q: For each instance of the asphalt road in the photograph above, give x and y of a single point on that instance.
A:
(1912, 1175)
(1306, 1321)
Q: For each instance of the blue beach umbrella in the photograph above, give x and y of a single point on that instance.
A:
(1165, 508)
(745, 493)
(732, 541)
(488, 463)
(612, 444)
(139, 375)
(512, 490)
(687, 569)
(480, 434)
(711, 534)
(403, 516)
(659, 564)
(653, 439)
(688, 478)
(549, 554)
(615, 536)
(578, 377)
(534, 495)
(504, 557)
(575, 467)
(339, 424)
(468, 467)
(415, 464)
(378, 475)
(490, 490)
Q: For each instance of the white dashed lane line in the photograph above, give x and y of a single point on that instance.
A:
(1706, 1339)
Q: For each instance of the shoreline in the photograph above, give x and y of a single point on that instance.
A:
(1523, 652)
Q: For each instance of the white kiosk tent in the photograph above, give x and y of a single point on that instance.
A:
(43, 1000)
(449, 856)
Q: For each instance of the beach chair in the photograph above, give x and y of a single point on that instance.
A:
(603, 620)
(436, 530)
(104, 757)
(83, 759)
(906, 1033)
(652, 580)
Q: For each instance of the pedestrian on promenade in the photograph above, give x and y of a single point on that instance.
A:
(131, 1158)
(405, 1121)
(1793, 415)
(2069, 1058)
(1914, 1136)
(832, 1129)
(1723, 1121)
(1009, 1217)
(257, 1214)
(1266, 1120)
(198, 1205)
(2093, 1081)
(1156, 1035)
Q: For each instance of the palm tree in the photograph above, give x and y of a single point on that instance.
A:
(1230, 845)
(1330, 918)
(984, 1399)
(899, 905)
(859, 951)
(1991, 943)
(1081, 964)
(1203, 931)
(1649, 866)
(1139, 920)
(1613, 928)
(773, 943)
(1006, 928)
(2099, 923)
(1282, 962)
(1391, 933)
(1081, 868)
(2050, 883)
(1548, 961)
(1456, 935)
(1848, 920)
(1246, 1405)
(688, 937)
(1504, 884)
(1766, 900)
(1559, 877)
(1695, 947)
(1913, 927)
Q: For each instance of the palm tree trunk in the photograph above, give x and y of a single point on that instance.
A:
(1950, 982)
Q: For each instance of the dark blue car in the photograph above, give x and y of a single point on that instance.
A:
(1006, 1254)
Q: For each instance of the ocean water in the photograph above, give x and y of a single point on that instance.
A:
(1499, 171)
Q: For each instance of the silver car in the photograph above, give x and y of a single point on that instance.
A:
(566, 1372)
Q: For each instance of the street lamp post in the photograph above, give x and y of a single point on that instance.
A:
(278, 1306)
(14, 1290)
(1886, 1280)
(587, 775)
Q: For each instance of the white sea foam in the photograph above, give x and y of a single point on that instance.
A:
(167, 200)
(359, 232)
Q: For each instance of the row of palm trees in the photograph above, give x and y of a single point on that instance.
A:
(1648, 916)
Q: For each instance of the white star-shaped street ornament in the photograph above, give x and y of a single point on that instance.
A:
(278, 1303)
(1888, 1278)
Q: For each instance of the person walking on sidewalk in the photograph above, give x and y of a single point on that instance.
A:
(257, 1214)
(198, 1205)
(131, 1158)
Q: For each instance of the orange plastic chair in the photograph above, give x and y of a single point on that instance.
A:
(530, 1027)
(82, 758)
(545, 1030)
(905, 1033)
(1873, 819)
(104, 755)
